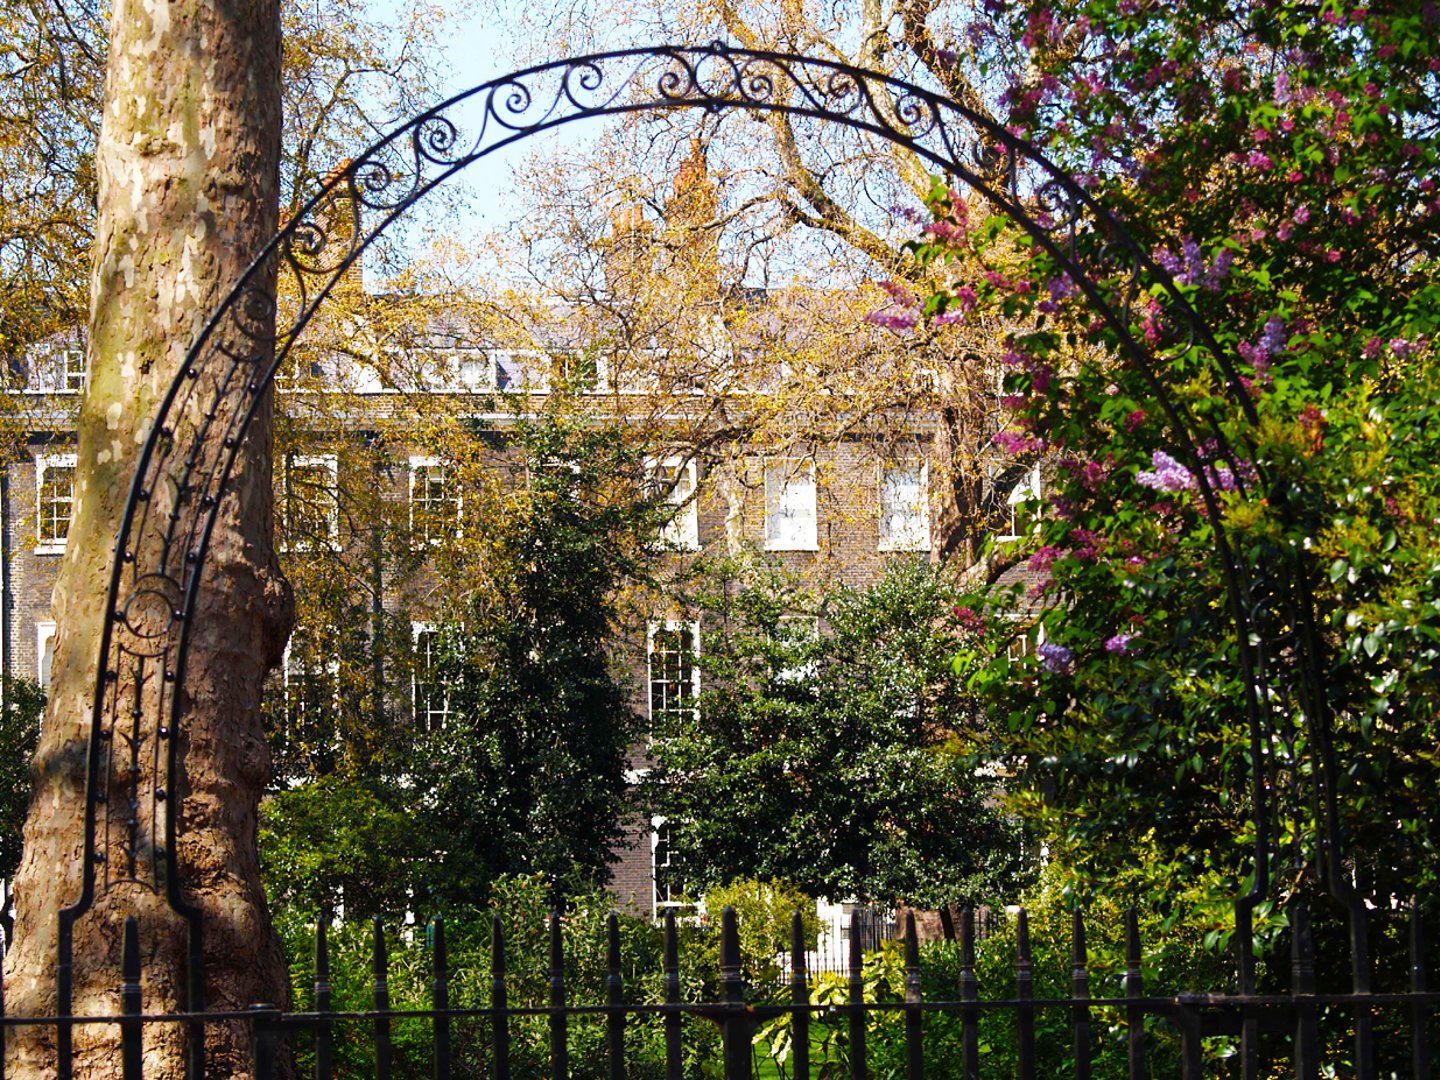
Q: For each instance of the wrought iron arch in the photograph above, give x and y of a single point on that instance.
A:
(175, 497)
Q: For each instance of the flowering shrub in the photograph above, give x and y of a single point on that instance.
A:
(1261, 380)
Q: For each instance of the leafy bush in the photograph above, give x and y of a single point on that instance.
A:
(764, 911)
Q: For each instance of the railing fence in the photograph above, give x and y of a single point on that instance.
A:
(921, 1038)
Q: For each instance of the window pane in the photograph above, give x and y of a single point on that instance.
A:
(674, 479)
(904, 509)
(432, 706)
(790, 506)
(56, 502)
(672, 670)
(312, 507)
(434, 504)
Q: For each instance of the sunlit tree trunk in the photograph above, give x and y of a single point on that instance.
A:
(188, 165)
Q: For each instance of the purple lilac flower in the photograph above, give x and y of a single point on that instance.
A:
(1219, 270)
(1257, 356)
(1274, 338)
(1282, 88)
(1194, 261)
(1054, 658)
(1119, 644)
(1168, 474)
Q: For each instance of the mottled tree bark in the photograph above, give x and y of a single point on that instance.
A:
(188, 174)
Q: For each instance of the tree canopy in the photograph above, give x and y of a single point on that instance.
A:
(834, 757)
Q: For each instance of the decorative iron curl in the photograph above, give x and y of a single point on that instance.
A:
(187, 463)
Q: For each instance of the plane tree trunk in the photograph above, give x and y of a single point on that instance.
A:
(188, 165)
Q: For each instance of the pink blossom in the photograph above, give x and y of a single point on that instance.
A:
(1014, 442)
(968, 618)
(900, 294)
(1045, 558)
(1302, 214)
(892, 320)
(1134, 420)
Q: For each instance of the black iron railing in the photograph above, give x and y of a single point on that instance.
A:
(1133, 1034)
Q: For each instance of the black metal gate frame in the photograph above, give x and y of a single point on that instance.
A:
(170, 516)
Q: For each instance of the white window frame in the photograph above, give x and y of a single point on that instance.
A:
(1027, 489)
(555, 358)
(418, 463)
(789, 480)
(45, 631)
(658, 906)
(915, 531)
(418, 630)
(331, 464)
(331, 670)
(57, 368)
(669, 625)
(73, 370)
(49, 545)
(682, 531)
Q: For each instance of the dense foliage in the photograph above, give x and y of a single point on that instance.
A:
(1276, 163)
(24, 705)
(506, 751)
(829, 744)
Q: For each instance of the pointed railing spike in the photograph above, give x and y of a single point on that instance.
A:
(499, 998)
(440, 1000)
(674, 1048)
(800, 999)
(914, 1019)
(1080, 994)
(615, 998)
(324, 1029)
(1024, 991)
(858, 1065)
(381, 1002)
(1134, 989)
(559, 1031)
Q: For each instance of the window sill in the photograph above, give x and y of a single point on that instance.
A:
(792, 547)
(50, 548)
(891, 549)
